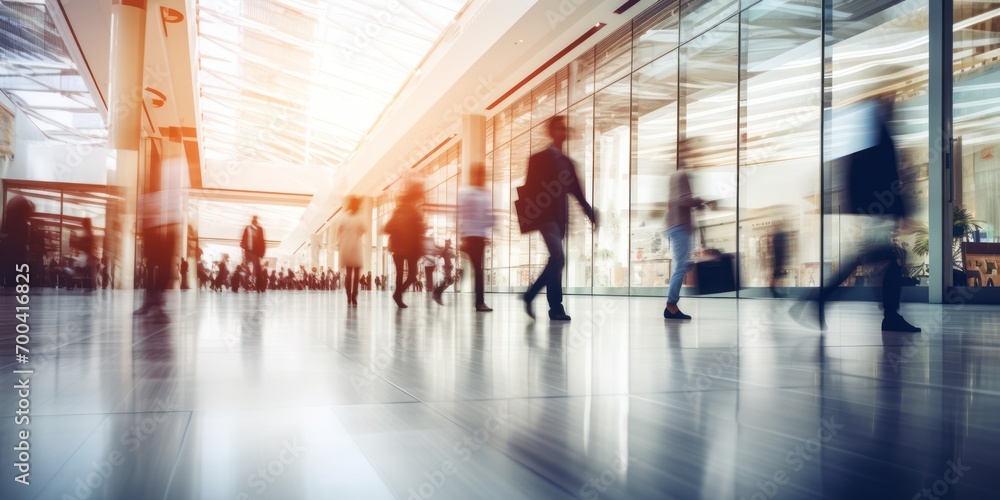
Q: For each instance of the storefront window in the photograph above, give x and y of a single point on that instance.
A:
(781, 102)
(977, 141)
(654, 159)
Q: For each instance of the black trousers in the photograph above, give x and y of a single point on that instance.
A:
(892, 280)
(551, 277)
(353, 277)
(411, 277)
(258, 272)
(158, 247)
(474, 246)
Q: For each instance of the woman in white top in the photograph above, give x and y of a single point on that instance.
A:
(475, 224)
(349, 232)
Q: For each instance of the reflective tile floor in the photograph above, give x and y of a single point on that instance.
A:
(292, 395)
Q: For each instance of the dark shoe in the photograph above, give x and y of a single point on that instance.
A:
(677, 315)
(399, 301)
(898, 324)
(527, 306)
(437, 298)
(559, 317)
(483, 308)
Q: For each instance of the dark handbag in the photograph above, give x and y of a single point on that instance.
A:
(525, 221)
(717, 272)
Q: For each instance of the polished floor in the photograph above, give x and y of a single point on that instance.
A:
(292, 395)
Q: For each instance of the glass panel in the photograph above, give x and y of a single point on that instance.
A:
(298, 63)
(708, 117)
(562, 89)
(501, 127)
(503, 212)
(489, 135)
(580, 148)
(543, 100)
(700, 15)
(977, 137)
(655, 32)
(521, 272)
(780, 160)
(612, 141)
(654, 156)
(613, 56)
(521, 115)
(581, 77)
(488, 274)
(878, 52)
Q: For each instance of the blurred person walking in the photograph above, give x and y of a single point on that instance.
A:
(680, 226)
(162, 214)
(351, 229)
(550, 180)
(406, 230)
(254, 247)
(875, 193)
(475, 226)
(14, 237)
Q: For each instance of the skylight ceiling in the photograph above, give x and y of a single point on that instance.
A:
(37, 73)
(301, 82)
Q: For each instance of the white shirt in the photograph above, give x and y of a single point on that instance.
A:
(475, 212)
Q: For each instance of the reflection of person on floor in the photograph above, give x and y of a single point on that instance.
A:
(874, 193)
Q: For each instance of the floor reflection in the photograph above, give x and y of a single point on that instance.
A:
(295, 395)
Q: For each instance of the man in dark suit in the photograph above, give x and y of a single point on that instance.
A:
(252, 244)
(875, 193)
(550, 180)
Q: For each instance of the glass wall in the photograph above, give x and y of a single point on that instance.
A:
(977, 141)
(769, 107)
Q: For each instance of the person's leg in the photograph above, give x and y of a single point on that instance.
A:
(474, 248)
(397, 295)
(347, 289)
(553, 238)
(355, 283)
(680, 245)
(892, 289)
(411, 276)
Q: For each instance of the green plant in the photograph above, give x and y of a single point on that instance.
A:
(963, 225)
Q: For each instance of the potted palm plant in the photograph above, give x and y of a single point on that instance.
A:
(963, 225)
